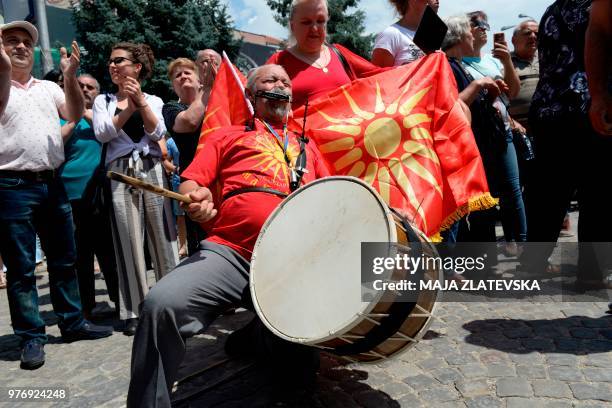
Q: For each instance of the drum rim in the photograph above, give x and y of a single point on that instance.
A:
(344, 327)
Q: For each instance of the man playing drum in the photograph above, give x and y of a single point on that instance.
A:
(253, 168)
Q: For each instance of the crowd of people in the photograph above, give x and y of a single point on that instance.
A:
(543, 132)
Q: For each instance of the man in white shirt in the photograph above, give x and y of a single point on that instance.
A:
(32, 196)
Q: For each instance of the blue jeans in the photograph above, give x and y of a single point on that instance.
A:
(514, 220)
(503, 176)
(26, 208)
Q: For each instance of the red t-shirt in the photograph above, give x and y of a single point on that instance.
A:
(308, 82)
(231, 159)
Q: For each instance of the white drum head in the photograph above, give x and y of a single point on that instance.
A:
(306, 266)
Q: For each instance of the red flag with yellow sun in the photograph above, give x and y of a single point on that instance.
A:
(404, 132)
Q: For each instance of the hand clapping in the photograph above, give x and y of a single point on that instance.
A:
(135, 96)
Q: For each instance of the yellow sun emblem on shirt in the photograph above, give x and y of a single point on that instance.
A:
(272, 156)
(385, 146)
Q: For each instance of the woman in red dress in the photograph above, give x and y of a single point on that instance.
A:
(316, 68)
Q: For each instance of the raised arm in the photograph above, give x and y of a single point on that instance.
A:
(73, 109)
(502, 52)
(190, 119)
(5, 77)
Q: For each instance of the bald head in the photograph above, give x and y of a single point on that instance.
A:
(208, 56)
(269, 78)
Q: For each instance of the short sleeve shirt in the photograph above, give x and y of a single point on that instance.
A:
(398, 40)
(562, 91)
(232, 159)
(529, 75)
(83, 154)
(30, 130)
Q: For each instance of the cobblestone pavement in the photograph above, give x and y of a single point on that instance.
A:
(486, 354)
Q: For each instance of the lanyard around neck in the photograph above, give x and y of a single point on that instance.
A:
(283, 142)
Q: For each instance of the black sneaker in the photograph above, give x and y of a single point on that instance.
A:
(32, 355)
(88, 331)
(130, 327)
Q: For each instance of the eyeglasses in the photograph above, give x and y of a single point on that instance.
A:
(483, 25)
(118, 60)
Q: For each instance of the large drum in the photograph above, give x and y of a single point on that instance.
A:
(306, 273)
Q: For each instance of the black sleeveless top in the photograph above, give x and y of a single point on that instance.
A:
(134, 127)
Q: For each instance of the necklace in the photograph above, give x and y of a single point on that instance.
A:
(314, 63)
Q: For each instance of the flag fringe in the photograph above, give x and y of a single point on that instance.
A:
(478, 203)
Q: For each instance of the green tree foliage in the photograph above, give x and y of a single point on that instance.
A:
(173, 28)
(345, 26)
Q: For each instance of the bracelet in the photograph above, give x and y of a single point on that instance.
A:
(141, 106)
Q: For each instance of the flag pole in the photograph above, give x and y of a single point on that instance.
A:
(231, 67)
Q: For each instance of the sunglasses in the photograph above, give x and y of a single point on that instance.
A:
(483, 25)
(119, 60)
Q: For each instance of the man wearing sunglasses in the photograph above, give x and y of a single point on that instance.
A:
(32, 197)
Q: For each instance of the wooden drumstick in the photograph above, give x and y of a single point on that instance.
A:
(148, 186)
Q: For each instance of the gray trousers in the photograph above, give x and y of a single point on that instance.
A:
(182, 304)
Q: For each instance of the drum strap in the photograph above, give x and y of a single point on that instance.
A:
(254, 190)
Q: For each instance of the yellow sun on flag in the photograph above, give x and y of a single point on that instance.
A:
(272, 157)
(389, 144)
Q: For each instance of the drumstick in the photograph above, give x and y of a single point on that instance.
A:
(148, 186)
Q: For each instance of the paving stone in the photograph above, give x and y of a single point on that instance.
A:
(597, 345)
(439, 394)
(527, 359)
(485, 402)
(517, 402)
(531, 372)
(583, 333)
(584, 391)
(410, 401)
(401, 370)
(378, 379)
(513, 387)
(396, 389)
(446, 375)
(473, 370)
(432, 363)
(568, 344)
(472, 388)
(599, 360)
(518, 333)
(493, 356)
(538, 344)
(500, 370)
(562, 359)
(551, 388)
(597, 323)
(598, 374)
(460, 359)
(420, 382)
(565, 373)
